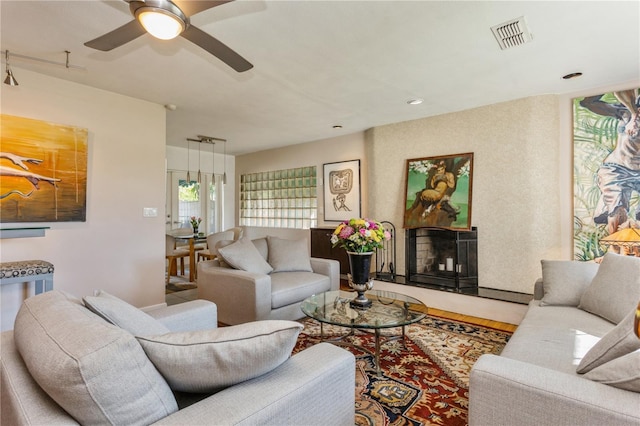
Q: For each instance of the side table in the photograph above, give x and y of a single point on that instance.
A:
(39, 271)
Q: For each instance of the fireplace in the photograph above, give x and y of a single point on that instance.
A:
(442, 258)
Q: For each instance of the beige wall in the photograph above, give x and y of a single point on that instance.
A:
(116, 249)
(516, 203)
(342, 148)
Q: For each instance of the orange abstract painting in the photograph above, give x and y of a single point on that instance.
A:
(43, 171)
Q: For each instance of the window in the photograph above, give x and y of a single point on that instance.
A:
(279, 198)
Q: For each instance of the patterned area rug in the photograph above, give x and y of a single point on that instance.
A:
(425, 383)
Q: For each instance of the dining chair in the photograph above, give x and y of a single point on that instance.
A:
(212, 239)
(173, 254)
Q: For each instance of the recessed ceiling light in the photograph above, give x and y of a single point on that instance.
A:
(415, 101)
(572, 75)
(337, 126)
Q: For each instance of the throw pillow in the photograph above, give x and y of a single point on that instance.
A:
(263, 248)
(615, 289)
(289, 255)
(95, 371)
(126, 316)
(242, 254)
(621, 372)
(619, 341)
(207, 360)
(565, 281)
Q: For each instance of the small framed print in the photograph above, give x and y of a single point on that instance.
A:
(341, 190)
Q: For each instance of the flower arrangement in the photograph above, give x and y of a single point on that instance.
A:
(360, 235)
(195, 222)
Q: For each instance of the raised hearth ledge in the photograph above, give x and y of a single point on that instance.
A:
(480, 307)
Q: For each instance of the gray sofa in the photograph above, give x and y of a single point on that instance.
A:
(64, 364)
(247, 290)
(581, 319)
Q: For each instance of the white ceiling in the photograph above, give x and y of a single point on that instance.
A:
(322, 63)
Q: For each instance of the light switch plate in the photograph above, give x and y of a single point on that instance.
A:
(149, 212)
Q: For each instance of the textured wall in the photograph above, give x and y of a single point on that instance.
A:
(516, 192)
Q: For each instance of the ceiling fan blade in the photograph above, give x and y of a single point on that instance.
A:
(216, 48)
(191, 7)
(117, 37)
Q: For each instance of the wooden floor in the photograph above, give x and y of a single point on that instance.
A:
(502, 326)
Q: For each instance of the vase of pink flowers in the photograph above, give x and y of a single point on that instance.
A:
(360, 238)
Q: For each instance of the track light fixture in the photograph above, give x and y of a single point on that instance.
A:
(10, 80)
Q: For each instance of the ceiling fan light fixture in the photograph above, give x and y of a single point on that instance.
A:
(161, 23)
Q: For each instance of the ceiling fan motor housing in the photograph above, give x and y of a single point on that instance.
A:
(164, 7)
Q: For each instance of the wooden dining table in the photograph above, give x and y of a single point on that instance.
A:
(192, 240)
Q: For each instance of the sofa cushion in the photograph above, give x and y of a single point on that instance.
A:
(620, 341)
(293, 287)
(555, 337)
(124, 315)
(615, 289)
(622, 372)
(564, 281)
(242, 254)
(289, 255)
(207, 360)
(94, 370)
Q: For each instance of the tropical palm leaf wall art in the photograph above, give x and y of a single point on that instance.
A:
(43, 171)
(606, 169)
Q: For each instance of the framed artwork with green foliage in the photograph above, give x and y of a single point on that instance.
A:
(438, 192)
(606, 172)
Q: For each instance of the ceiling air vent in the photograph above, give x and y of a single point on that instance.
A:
(512, 33)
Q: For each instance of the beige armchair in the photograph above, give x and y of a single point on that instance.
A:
(263, 280)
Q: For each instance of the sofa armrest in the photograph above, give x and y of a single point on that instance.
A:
(328, 267)
(188, 316)
(240, 296)
(504, 391)
(314, 387)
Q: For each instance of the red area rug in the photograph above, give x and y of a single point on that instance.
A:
(424, 383)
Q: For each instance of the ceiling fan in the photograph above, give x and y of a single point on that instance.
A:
(167, 19)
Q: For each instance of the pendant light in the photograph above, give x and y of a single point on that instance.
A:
(224, 175)
(213, 163)
(199, 174)
(188, 161)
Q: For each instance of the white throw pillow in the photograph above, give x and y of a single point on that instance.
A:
(618, 342)
(207, 360)
(565, 281)
(615, 289)
(95, 371)
(289, 255)
(242, 254)
(623, 372)
(126, 316)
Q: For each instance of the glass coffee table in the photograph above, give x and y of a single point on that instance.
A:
(388, 310)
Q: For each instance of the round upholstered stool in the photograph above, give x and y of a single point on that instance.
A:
(39, 271)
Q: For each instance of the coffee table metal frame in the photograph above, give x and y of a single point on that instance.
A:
(388, 310)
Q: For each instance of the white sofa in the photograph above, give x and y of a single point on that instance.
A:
(582, 318)
(250, 292)
(65, 365)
